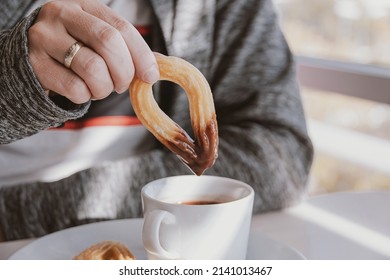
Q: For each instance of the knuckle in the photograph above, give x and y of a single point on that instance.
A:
(36, 32)
(73, 84)
(74, 90)
(123, 26)
(93, 65)
(52, 8)
(97, 77)
(108, 34)
(100, 89)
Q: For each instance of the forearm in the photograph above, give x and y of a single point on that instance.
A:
(25, 108)
(111, 190)
(274, 161)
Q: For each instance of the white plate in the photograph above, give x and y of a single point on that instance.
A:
(65, 244)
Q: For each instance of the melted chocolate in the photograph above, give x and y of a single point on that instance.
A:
(200, 154)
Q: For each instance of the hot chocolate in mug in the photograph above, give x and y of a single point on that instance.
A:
(196, 217)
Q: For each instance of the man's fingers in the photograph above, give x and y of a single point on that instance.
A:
(93, 70)
(63, 81)
(106, 41)
(87, 64)
(143, 58)
(113, 50)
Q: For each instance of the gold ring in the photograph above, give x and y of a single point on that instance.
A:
(71, 53)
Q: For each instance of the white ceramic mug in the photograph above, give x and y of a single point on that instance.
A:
(174, 229)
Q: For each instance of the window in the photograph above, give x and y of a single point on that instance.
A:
(348, 30)
(343, 53)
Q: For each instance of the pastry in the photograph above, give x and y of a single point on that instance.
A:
(106, 250)
(198, 154)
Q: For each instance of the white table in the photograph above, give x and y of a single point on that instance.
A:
(346, 225)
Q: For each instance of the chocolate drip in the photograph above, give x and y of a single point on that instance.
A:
(200, 154)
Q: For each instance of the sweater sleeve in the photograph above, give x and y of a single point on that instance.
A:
(25, 108)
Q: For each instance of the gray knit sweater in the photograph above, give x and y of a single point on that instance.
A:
(241, 51)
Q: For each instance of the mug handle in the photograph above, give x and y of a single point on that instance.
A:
(151, 233)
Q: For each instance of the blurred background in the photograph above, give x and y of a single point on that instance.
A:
(343, 54)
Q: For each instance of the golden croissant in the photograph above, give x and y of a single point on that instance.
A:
(106, 250)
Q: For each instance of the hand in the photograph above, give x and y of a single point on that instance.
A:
(112, 54)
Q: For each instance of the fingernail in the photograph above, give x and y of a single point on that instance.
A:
(121, 90)
(151, 75)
